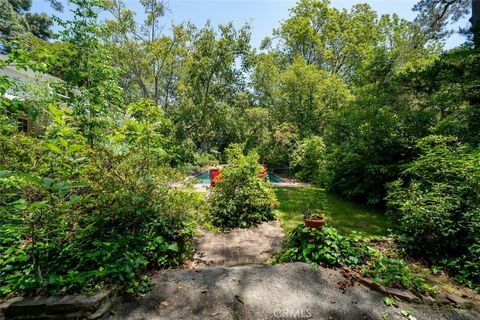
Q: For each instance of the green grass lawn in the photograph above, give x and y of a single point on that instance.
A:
(342, 214)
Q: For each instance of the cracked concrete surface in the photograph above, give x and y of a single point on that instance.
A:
(288, 291)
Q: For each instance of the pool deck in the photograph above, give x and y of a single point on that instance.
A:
(205, 188)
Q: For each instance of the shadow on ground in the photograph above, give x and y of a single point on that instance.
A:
(289, 291)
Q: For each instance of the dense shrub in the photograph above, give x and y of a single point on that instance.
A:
(437, 206)
(75, 218)
(308, 159)
(241, 198)
(324, 246)
(467, 267)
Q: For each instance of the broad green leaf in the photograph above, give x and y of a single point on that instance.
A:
(53, 147)
(74, 147)
(173, 247)
(388, 301)
(5, 173)
(47, 182)
(19, 204)
(405, 312)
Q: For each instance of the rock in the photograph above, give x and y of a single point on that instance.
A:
(372, 285)
(286, 292)
(403, 295)
(458, 300)
(442, 300)
(428, 300)
(75, 302)
(400, 294)
(67, 307)
(5, 305)
(22, 306)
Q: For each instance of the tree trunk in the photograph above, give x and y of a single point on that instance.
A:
(475, 20)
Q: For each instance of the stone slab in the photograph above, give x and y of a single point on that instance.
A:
(238, 246)
(66, 307)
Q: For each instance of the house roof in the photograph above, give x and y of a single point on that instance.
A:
(25, 75)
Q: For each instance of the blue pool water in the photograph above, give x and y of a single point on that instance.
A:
(273, 178)
(204, 177)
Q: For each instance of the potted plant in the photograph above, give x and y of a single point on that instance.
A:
(314, 219)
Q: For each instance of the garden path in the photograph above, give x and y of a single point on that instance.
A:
(238, 246)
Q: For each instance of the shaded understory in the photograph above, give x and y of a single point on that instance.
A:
(342, 214)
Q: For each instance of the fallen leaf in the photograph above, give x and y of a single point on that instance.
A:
(388, 301)
(405, 312)
(164, 304)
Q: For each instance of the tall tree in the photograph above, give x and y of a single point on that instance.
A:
(435, 15)
(475, 20)
(334, 40)
(148, 56)
(16, 20)
(211, 91)
(88, 69)
(340, 42)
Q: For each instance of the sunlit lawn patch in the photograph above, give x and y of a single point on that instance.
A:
(342, 214)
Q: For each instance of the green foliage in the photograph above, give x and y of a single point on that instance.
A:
(213, 79)
(324, 246)
(85, 218)
(86, 67)
(280, 143)
(308, 159)
(240, 197)
(437, 206)
(340, 42)
(74, 237)
(308, 96)
(434, 16)
(467, 267)
(395, 272)
(16, 22)
(452, 87)
(76, 218)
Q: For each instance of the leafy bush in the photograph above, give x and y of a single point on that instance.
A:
(240, 197)
(75, 218)
(308, 159)
(467, 267)
(395, 272)
(437, 205)
(327, 247)
(324, 246)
